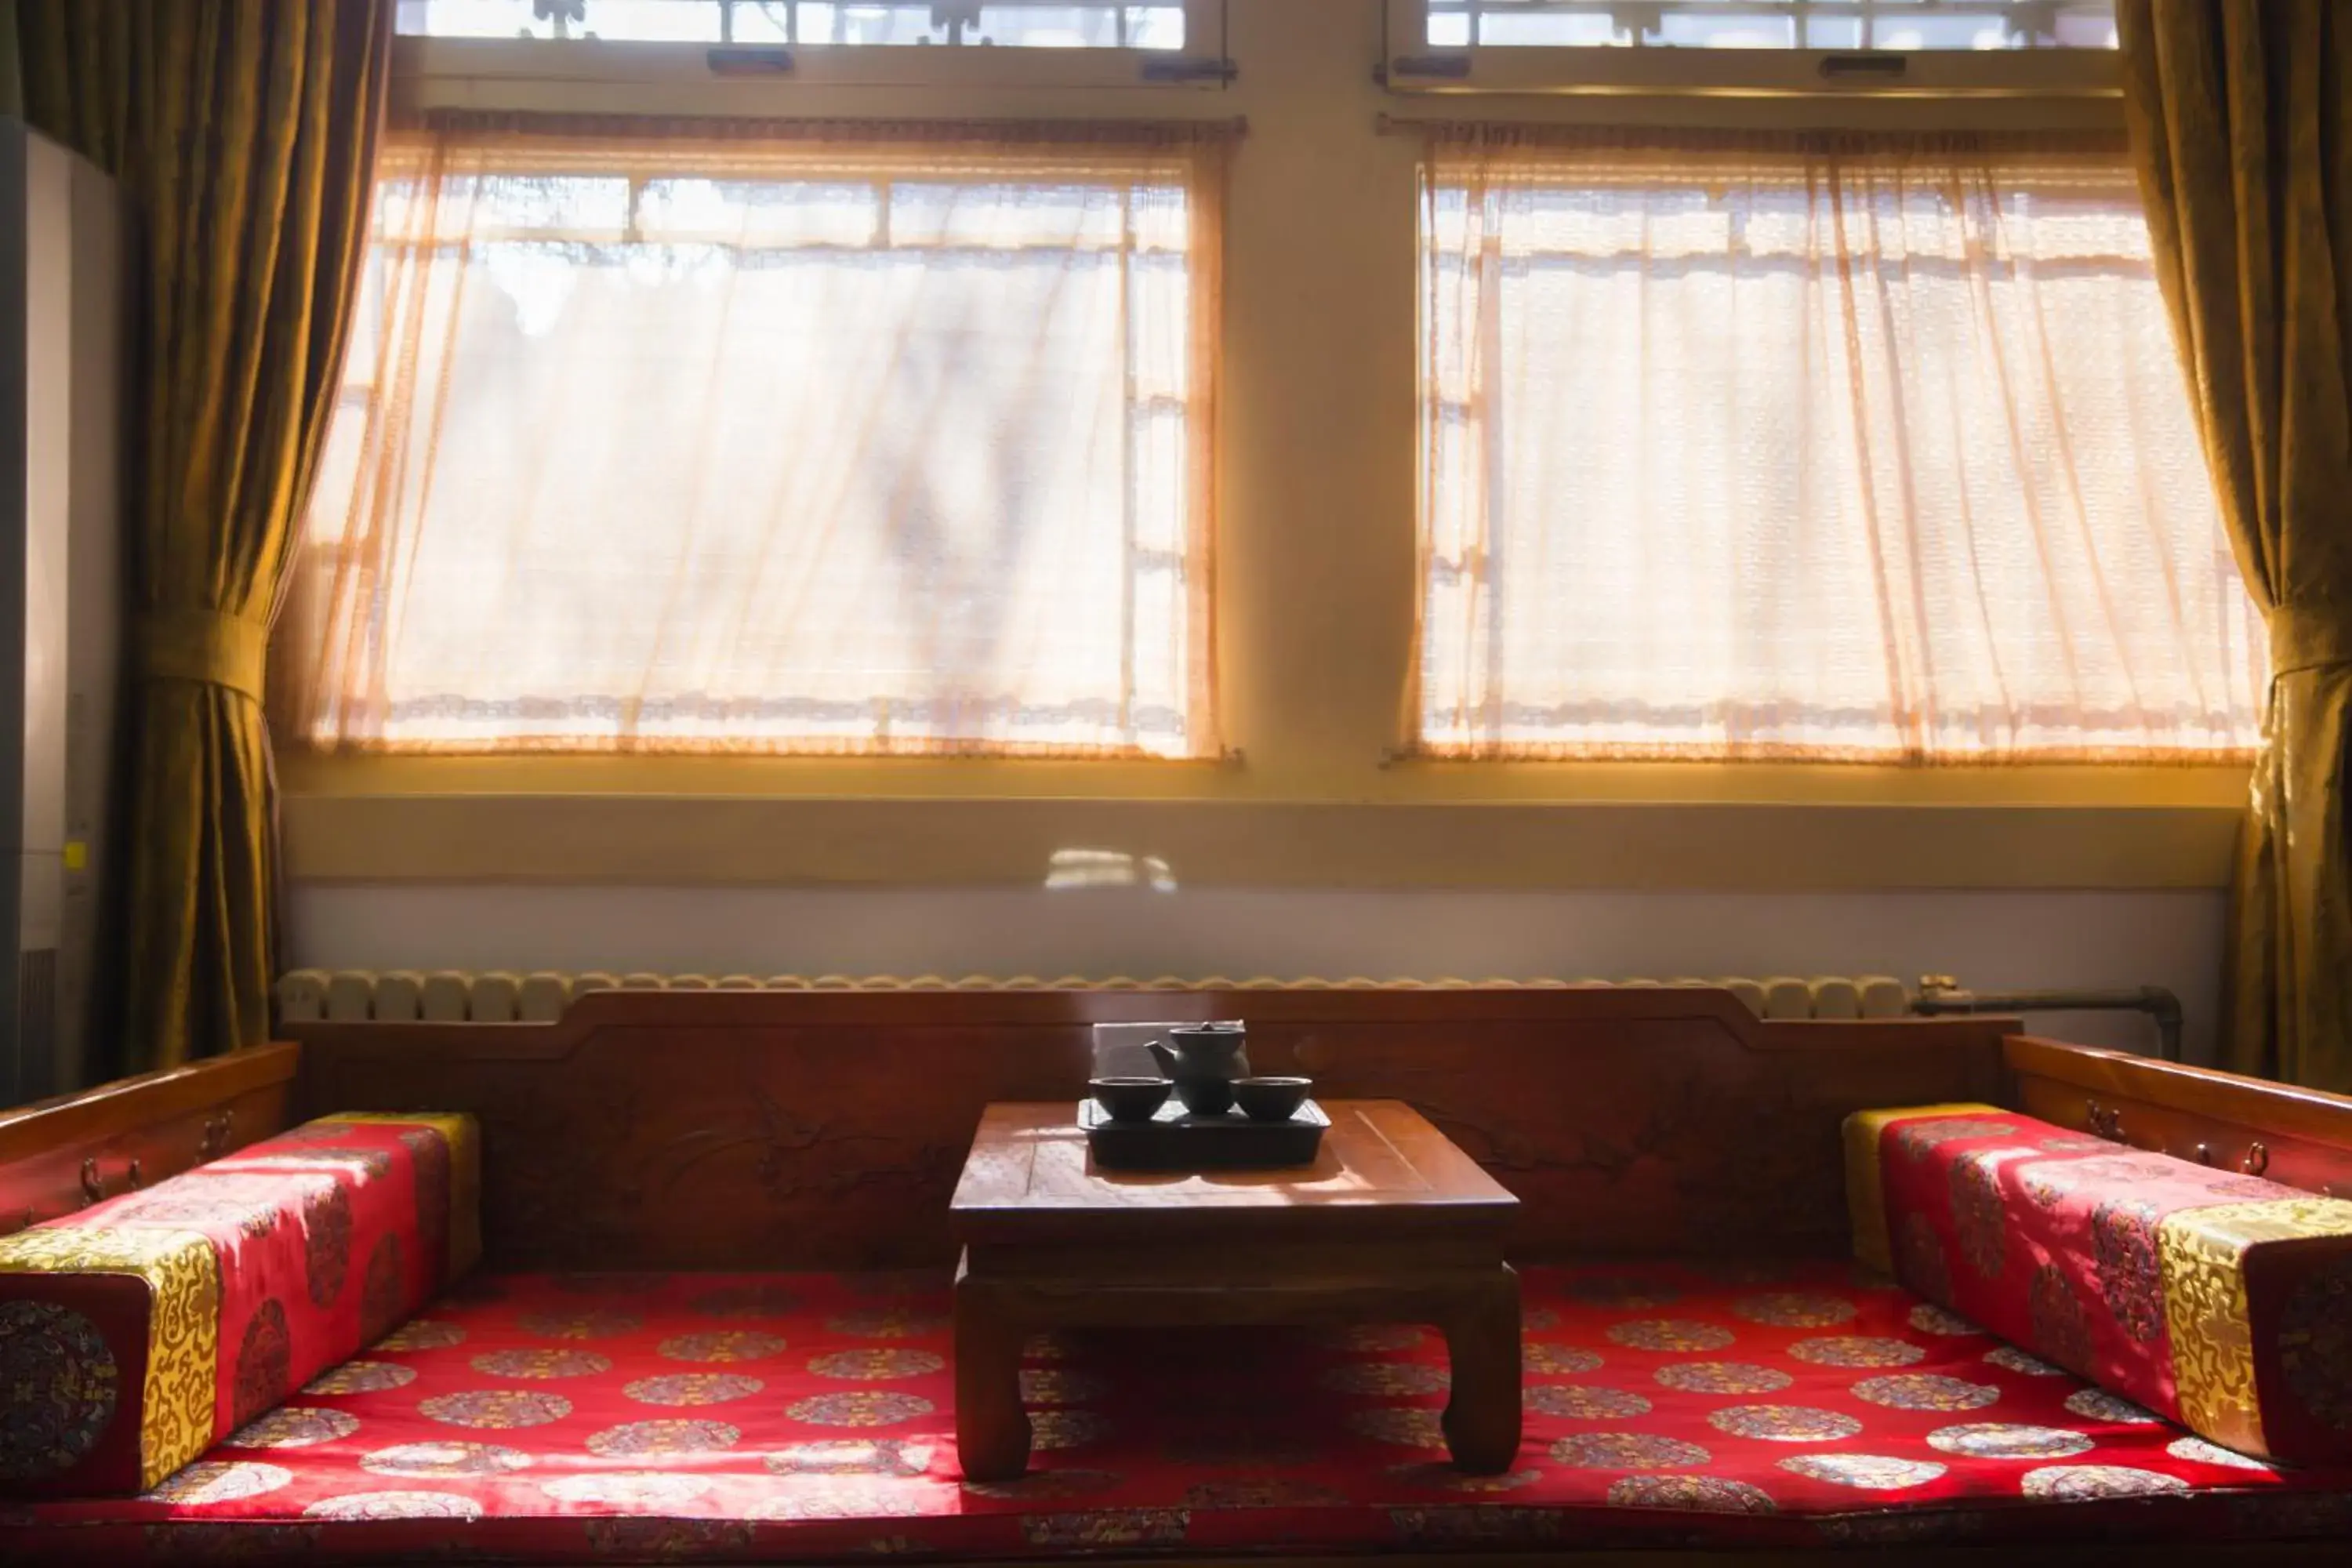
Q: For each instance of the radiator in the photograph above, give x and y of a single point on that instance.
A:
(501, 996)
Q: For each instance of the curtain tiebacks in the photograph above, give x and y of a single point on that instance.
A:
(205, 645)
(2309, 637)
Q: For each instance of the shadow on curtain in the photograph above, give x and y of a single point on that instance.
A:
(2243, 135)
(244, 131)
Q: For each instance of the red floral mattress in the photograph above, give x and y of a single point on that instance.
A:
(800, 1417)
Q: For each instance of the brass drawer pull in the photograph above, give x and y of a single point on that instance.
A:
(2257, 1160)
(93, 1185)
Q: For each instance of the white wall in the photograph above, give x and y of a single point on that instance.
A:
(1989, 941)
(1316, 557)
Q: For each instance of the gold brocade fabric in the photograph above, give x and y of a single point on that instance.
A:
(2243, 137)
(2212, 1343)
(183, 1274)
(244, 133)
(464, 1137)
(1865, 1196)
(2202, 1252)
(2222, 1302)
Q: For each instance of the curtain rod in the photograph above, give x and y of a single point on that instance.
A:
(1617, 136)
(1073, 131)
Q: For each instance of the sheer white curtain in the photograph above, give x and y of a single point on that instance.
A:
(1851, 449)
(786, 438)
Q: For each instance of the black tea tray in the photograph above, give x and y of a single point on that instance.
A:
(1175, 1140)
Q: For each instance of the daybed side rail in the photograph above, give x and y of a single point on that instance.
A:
(2300, 1137)
(61, 1154)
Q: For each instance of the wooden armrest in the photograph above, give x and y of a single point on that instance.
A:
(61, 1154)
(2300, 1137)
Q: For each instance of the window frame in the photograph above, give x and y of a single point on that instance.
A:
(311, 714)
(422, 61)
(1483, 408)
(1314, 580)
(1410, 65)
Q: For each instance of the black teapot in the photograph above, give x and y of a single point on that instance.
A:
(1203, 1059)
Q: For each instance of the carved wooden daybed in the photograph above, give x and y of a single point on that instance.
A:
(715, 1227)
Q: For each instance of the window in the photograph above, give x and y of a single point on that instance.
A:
(1904, 25)
(1015, 24)
(757, 439)
(868, 42)
(1779, 48)
(1842, 447)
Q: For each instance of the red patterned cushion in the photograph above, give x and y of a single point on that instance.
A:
(135, 1334)
(2223, 1301)
(811, 1419)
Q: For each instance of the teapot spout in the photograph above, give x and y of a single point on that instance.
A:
(1163, 1056)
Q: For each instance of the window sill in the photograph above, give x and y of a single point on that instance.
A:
(1753, 827)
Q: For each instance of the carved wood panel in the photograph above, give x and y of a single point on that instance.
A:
(827, 1129)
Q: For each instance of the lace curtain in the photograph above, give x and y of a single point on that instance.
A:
(786, 437)
(1837, 447)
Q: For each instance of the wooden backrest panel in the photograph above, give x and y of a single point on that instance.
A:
(2301, 1137)
(53, 1153)
(826, 1129)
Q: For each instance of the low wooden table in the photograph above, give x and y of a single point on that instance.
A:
(1391, 1224)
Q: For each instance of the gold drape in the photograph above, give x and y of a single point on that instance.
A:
(12, 81)
(2243, 135)
(244, 131)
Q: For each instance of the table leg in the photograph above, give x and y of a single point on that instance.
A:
(1482, 1334)
(992, 1429)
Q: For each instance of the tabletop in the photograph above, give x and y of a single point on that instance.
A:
(1383, 1170)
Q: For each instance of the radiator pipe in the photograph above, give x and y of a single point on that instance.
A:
(1938, 995)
